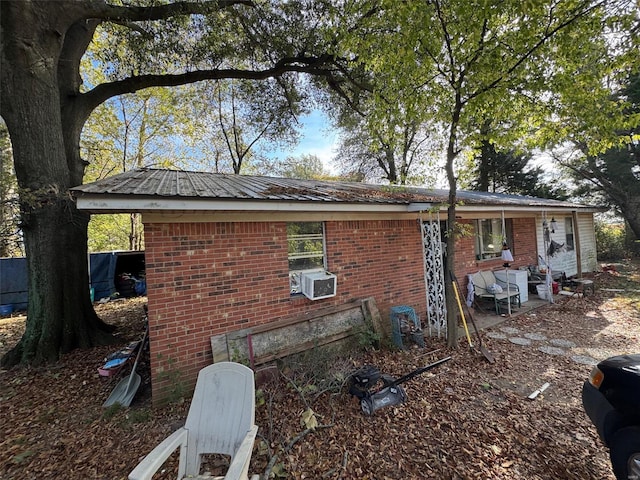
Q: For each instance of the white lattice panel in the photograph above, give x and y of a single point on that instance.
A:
(434, 277)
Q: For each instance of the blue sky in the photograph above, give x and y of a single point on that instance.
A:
(316, 138)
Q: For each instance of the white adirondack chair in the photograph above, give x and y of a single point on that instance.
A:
(221, 420)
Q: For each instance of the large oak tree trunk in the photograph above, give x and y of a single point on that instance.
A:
(60, 313)
(60, 316)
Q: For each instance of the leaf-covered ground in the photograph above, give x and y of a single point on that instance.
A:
(466, 419)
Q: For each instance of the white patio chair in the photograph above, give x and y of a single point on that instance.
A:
(220, 421)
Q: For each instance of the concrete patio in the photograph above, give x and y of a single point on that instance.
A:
(486, 317)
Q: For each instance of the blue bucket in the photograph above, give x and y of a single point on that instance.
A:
(6, 309)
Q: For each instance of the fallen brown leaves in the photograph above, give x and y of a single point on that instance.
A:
(466, 419)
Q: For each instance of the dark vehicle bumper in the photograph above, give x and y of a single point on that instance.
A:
(605, 418)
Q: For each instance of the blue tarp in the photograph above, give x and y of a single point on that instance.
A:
(13, 282)
(103, 271)
(13, 277)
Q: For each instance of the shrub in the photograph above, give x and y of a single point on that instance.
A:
(611, 241)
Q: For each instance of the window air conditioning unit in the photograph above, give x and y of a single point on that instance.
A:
(317, 285)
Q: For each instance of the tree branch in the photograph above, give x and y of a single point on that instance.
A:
(122, 14)
(447, 43)
(595, 178)
(101, 93)
(547, 35)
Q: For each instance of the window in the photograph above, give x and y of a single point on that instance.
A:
(568, 228)
(489, 237)
(306, 250)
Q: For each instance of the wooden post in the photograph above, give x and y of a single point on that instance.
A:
(576, 242)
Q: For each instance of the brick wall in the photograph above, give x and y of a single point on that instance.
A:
(205, 279)
(524, 242)
(380, 259)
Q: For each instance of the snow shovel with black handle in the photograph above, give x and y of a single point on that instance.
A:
(486, 353)
(127, 387)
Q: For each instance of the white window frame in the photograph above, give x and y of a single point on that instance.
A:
(570, 239)
(315, 259)
(489, 249)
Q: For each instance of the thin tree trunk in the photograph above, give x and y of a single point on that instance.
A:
(452, 318)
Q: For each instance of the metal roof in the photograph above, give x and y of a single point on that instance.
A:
(184, 185)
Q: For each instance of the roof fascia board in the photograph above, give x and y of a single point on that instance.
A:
(421, 207)
(529, 208)
(315, 216)
(99, 204)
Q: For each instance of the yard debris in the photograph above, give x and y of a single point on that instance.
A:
(450, 413)
(539, 391)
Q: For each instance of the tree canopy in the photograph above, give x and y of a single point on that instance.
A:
(613, 176)
(511, 171)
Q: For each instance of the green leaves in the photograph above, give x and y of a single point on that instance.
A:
(462, 62)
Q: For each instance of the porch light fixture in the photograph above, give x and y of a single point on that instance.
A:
(553, 225)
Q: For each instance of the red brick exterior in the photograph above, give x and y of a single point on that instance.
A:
(380, 259)
(206, 279)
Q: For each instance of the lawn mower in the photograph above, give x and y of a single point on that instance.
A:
(365, 385)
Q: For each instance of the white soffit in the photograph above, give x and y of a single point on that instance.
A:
(419, 207)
